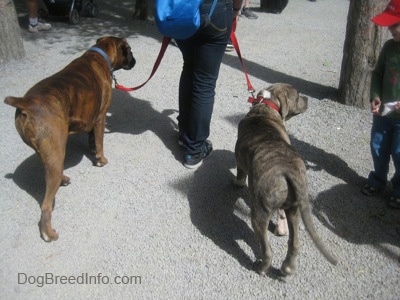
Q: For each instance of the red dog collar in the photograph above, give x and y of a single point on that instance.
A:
(261, 99)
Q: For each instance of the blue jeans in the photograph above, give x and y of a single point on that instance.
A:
(385, 143)
(202, 57)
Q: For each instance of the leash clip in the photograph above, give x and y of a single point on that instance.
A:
(252, 99)
(252, 92)
(114, 79)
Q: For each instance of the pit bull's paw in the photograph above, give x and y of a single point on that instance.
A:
(101, 162)
(239, 183)
(260, 267)
(280, 232)
(287, 269)
(281, 228)
(65, 180)
(49, 236)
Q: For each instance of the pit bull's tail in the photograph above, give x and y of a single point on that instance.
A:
(300, 190)
(306, 216)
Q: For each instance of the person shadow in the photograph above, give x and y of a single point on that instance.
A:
(134, 116)
(220, 210)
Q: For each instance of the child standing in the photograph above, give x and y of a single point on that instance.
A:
(385, 106)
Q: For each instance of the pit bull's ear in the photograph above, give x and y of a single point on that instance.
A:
(284, 105)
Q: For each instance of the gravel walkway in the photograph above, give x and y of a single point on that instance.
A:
(144, 227)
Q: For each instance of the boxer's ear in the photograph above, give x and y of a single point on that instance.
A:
(99, 40)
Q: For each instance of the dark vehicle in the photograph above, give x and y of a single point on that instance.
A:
(72, 10)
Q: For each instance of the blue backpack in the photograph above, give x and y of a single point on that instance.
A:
(179, 19)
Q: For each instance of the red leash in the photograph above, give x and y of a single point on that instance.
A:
(249, 86)
(253, 100)
(236, 45)
(164, 45)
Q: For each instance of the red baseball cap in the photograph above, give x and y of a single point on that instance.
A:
(390, 16)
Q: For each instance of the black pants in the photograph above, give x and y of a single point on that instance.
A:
(202, 57)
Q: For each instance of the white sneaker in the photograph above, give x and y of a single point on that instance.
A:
(40, 26)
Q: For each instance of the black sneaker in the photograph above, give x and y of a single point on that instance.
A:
(193, 161)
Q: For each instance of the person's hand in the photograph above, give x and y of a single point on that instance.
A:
(397, 107)
(375, 105)
(235, 20)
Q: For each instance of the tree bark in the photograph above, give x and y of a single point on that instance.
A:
(362, 45)
(11, 46)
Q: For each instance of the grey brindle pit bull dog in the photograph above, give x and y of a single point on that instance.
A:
(73, 100)
(276, 173)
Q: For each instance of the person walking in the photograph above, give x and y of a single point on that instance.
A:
(202, 56)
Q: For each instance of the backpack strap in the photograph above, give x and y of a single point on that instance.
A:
(212, 8)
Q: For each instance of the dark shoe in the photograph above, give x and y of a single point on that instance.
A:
(394, 202)
(248, 13)
(193, 161)
(369, 190)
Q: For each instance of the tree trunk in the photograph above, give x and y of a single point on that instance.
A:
(362, 45)
(11, 46)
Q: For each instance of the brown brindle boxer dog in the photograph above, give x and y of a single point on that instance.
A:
(276, 173)
(73, 100)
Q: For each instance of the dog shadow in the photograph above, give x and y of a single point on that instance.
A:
(126, 115)
(318, 159)
(29, 175)
(134, 116)
(359, 219)
(220, 210)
